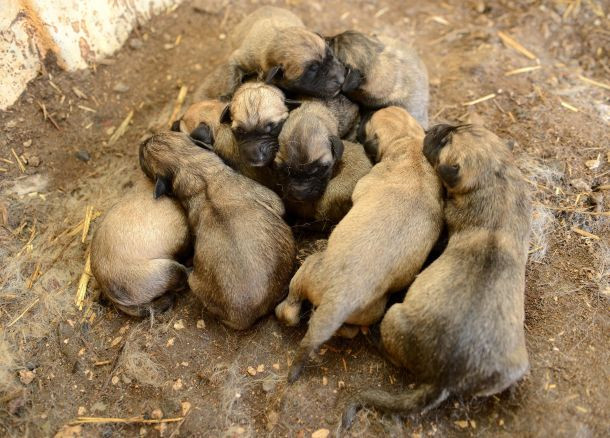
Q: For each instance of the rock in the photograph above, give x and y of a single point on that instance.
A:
(31, 366)
(179, 325)
(120, 87)
(136, 43)
(251, 371)
(82, 410)
(320, 433)
(177, 386)
(260, 368)
(69, 432)
(27, 143)
(26, 376)
(115, 380)
(83, 155)
(200, 324)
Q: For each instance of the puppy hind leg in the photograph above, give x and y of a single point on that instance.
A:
(288, 311)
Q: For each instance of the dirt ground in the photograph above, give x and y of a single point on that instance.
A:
(59, 362)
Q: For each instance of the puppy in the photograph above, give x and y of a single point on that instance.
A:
(273, 44)
(256, 114)
(460, 327)
(202, 122)
(135, 248)
(380, 245)
(382, 72)
(310, 146)
(244, 251)
(337, 198)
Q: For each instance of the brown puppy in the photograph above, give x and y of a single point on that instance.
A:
(256, 114)
(134, 251)
(383, 72)
(310, 146)
(460, 327)
(244, 251)
(202, 122)
(380, 245)
(274, 44)
(337, 198)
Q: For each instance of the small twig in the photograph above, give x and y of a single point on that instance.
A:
(512, 43)
(102, 363)
(592, 82)
(523, 70)
(87, 222)
(140, 420)
(81, 291)
(568, 106)
(575, 210)
(19, 163)
(121, 129)
(584, 233)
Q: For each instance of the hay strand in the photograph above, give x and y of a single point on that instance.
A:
(480, 99)
(19, 163)
(584, 233)
(177, 105)
(83, 282)
(139, 420)
(87, 222)
(121, 129)
(32, 304)
(514, 44)
(568, 106)
(522, 70)
(592, 82)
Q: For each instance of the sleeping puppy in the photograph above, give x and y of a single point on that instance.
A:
(311, 146)
(383, 72)
(379, 246)
(337, 198)
(244, 251)
(256, 115)
(274, 44)
(460, 330)
(202, 122)
(135, 249)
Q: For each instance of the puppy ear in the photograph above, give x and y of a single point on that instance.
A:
(336, 147)
(353, 79)
(176, 126)
(292, 104)
(202, 133)
(449, 174)
(275, 74)
(161, 187)
(225, 116)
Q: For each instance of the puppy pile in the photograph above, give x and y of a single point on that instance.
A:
(271, 141)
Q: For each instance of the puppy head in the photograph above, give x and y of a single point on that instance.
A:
(201, 120)
(162, 155)
(306, 158)
(466, 157)
(256, 115)
(301, 61)
(380, 129)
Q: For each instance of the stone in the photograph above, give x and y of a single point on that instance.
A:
(83, 155)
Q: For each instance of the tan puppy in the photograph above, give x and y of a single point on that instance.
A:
(202, 122)
(274, 44)
(380, 245)
(459, 330)
(134, 251)
(244, 251)
(382, 72)
(310, 146)
(256, 114)
(337, 198)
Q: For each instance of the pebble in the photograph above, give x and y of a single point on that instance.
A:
(252, 371)
(177, 385)
(269, 385)
(27, 143)
(83, 155)
(179, 325)
(320, 433)
(185, 407)
(120, 87)
(136, 43)
(200, 324)
(26, 376)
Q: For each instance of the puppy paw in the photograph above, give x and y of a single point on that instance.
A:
(288, 313)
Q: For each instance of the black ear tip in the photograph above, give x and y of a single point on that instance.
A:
(225, 116)
(176, 126)
(336, 147)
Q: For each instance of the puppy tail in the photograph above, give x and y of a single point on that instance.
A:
(423, 398)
